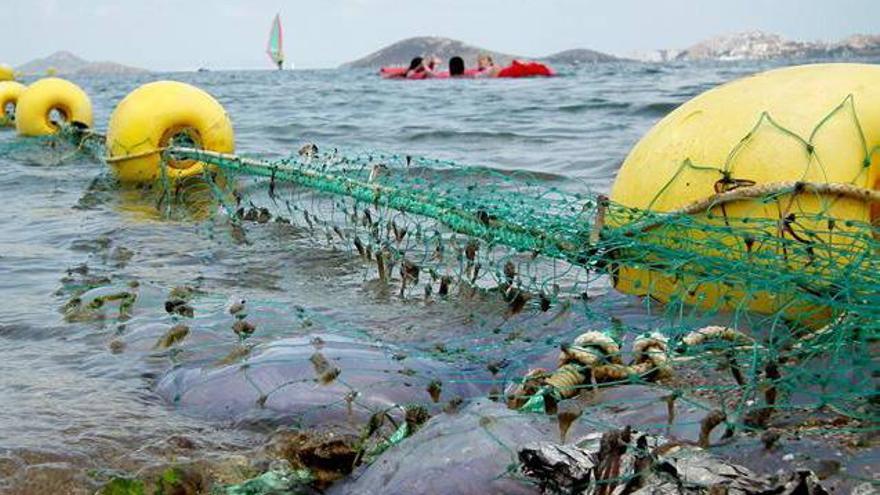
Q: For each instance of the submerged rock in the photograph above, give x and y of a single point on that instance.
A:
(341, 385)
(469, 452)
(474, 450)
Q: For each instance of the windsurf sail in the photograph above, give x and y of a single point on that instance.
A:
(275, 47)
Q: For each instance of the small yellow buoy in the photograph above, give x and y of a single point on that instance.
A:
(10, 91)
(37, 104)
(160, 114)
(6, 73)
(813, 123)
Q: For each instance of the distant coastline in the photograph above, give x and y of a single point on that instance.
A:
(64, 63)
(751, 45)
(758, 45)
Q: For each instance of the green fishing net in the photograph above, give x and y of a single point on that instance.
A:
(799, 287)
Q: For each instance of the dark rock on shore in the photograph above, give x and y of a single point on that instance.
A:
(474, 450)
(469, 452)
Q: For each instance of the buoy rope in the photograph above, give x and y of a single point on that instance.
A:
(594, 358)
(450, 214)
(583, 246)
(768, 190)
(850, 191)
(370, 192)
(123, 158)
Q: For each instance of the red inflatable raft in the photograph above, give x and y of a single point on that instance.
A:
(400, 72)
(515, 70)
(526, 69)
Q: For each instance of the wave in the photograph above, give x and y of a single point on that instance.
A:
(470, 135)
(593, 104)
(658, 109)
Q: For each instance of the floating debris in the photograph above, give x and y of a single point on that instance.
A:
(236, 309)
(117, 346)
(624, 461)
(243, 328)
(453, 405)
(182, 292)
(435, 388)
(279, 479)
(325, 372)
(179, 307)
(174, 335)
(567, 413)
(237, 353)
(770, 438)
(308, 150)
(326, 455)
(495, 366)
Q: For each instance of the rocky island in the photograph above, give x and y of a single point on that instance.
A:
(64, 63)
(402, 52)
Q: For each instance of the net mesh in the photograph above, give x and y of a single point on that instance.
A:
(427, 224)
(756, 318)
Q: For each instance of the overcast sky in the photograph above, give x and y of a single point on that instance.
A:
(186, 34)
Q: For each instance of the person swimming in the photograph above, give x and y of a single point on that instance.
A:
(456, 67)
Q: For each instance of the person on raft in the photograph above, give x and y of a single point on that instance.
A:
(486, 66)
(414, 65)
(422, 68)
(430, 65)
(456, 67)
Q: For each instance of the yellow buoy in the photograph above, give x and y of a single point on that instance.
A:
(813, 123)
(10, 91)
(157, 115)
(49, 99)
(7, 73)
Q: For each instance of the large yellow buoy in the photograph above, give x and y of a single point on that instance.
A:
(7, 73)
(813, 123)
(10, 91)
(37, 104)
(160, 114)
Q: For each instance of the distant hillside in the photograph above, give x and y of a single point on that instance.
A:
(579, 56)
(857, 44)
(66, 63)
(747, 45)
(758, 45)
(402, 52)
